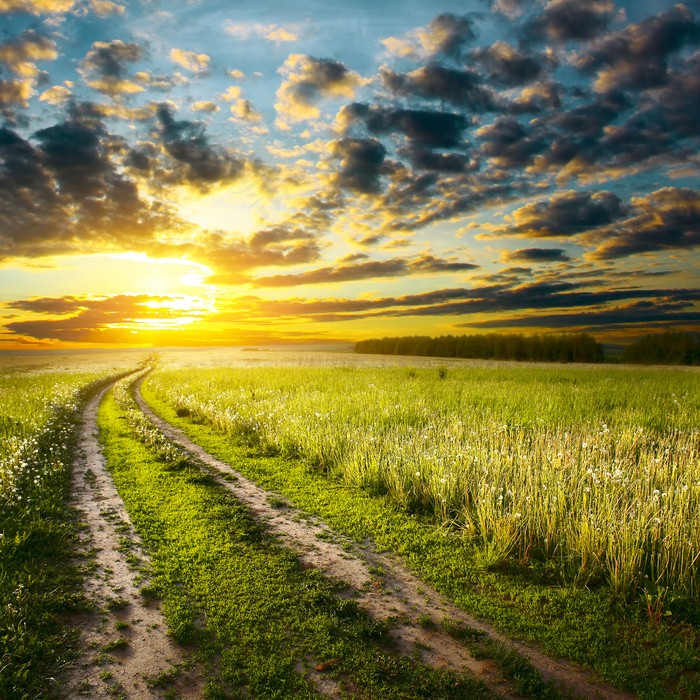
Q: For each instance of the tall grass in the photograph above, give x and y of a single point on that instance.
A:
(592, 474)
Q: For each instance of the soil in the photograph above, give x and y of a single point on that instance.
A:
(141, 652)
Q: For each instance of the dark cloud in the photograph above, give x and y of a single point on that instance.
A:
(461, 88)
(668, 219)
(422, 127)
(199, 164)
(510, 144)
(104, 67)
(637, 56)
(564, 215)
(511, 67)
(373, 269)
(361, 162)
(540, 97)
(569, 20)
(425, 159)
(640, 314)
(448, 34)
(308, 80)
(537, 255)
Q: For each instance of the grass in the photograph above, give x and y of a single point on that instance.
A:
(612, 633)
(39, 580)
(592, 476)
(240, 598)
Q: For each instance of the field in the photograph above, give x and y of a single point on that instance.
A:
(558, 505)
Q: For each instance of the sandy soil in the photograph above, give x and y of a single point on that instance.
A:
(130, 667)
(413, 606)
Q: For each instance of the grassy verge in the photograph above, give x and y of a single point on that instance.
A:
(40, 578)
(629, 647)
(259, 619)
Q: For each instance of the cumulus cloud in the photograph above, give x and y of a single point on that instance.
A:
(308, 80)
(245, 111)
(569, 20)
(422, 127)
(637, 56)
(35, 7)
(104, 67)
(361, 162)
(55, 95)
(666, 220)
(563, 216)
(462, 88)
(197, 63)
(106, 8)
(446, 35)
(511, 67)
(197, 163)
(205, 106)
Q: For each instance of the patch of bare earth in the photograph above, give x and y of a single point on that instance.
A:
(126, 652)
(386, 589)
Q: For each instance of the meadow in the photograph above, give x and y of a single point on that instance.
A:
(41, 406)
(589, 475)
(557, 503)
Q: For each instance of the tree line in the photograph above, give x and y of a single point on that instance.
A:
(570, 347)
(664, 348)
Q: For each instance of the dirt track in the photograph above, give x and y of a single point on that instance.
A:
(120, 612)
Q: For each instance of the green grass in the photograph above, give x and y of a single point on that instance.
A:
(39, 580)
(590, 475)
(656, 659)
(229, 589)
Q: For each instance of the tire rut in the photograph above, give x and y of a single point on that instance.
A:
(124, 644)
(414, 608)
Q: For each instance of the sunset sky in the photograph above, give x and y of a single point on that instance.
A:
(236, 173)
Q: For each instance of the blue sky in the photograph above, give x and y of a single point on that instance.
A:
(234, 173)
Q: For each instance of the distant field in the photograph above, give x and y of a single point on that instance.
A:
(593, 471)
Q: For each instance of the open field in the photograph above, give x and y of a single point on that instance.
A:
(41, 405)
(547, 504)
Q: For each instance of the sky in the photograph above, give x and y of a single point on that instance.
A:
(193, 173)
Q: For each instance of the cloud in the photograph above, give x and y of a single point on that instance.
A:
(569, 20)
(100, 320)
(104, 67)
(668, 219)
(106, 8)
(640, 314)
(19, 55)
(197, 63)
(35, 7)
(422, 127)
(197, 162)
(271, 32)
(308, 80)
(245, 111)
(361, 162)
(462, 88)
(373, 269)
(637, 56)
(511, 67)
(536, 255)
(509, 144)
(205, 106)
(446, 36)
(55, 95)
(563, 216)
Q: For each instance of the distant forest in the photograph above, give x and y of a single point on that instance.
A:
(494, 346)
(664, 348)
